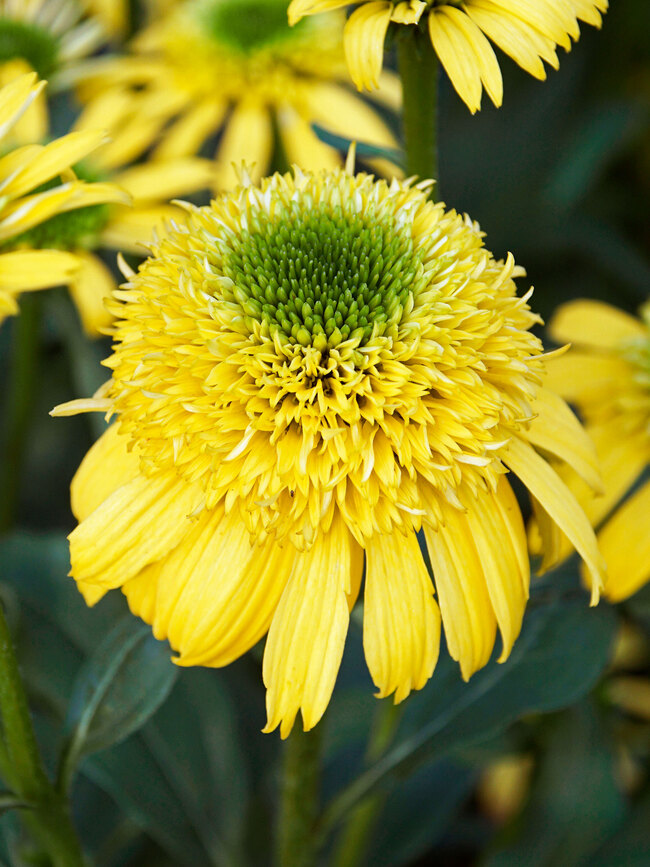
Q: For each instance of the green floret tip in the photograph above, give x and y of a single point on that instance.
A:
(321, 276)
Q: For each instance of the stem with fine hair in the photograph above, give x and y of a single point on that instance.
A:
(18, 406)
(418, 69)
(299, 800)
(46, 814)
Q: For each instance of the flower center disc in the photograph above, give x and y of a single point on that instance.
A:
(27, 41)
(247, 25)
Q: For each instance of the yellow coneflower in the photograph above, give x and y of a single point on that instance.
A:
(529, 31)
(607, 376)
(48, 37)
(25, 211)
(305, 375)
(237, 66)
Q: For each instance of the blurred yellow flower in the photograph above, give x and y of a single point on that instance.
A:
(49, 37)
(529, 31)
(237, 66)
(607, 376)
(305, 375)
(26, 210)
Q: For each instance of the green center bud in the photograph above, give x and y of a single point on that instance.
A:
(27, 41)
(247, 25)
(322, 276)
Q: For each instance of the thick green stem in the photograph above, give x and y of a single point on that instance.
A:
(47, 818)
(418, 69)
(18, 406)
(299, 798)
(357, 832)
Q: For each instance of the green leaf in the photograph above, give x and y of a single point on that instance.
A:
(629, 846)
(563, 648)
(365, 151)
(120, 686)
(574, 803)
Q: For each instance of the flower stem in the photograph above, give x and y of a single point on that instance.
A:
(299, 799)
(19, 405)
(418, 68)
(353, 843)
(47, 815)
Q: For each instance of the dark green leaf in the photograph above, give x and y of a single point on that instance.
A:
(575, 802)
(629, 846)
(120, 686)
(563, 648)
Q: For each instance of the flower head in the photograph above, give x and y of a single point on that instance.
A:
(236, 66)
(529, 32)
(305, 375)
(607, 376)
(42, 201)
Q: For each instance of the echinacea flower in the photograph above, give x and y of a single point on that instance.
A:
(529, 31)
(606, 374)
(305, 375)
(49, 37)
(236, 66)
(35, 206)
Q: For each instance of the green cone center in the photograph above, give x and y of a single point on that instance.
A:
(27, 41)
(321, 276)
(247, 25)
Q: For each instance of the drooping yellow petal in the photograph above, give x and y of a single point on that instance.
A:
(305, 642)
(577, 374)
(33, 125)
(91, 286)
(301, 144)
(364, 35)
(107, 466)
(401, 620)
(557, 500)
(136, 525)
(188, 133)
(465, 606)
(466, 55)
(17, 96)
(298, 8)
(556, 430)
(625, 543)
(594, 324)
(131, 230)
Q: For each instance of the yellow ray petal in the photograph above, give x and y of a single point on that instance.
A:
(136, 525)
(34, 124)
(594, 324)
(401, 621)
(188, 133)
(248, 138)
(301, 144)
(161, 180)
(577, 374)
(131, 230)
(305, 642)
(298, 8)
(556, 430)
(17, 96)
(91, 286)
(558, 501)
(107, 466)
(625, 543)
(467, 613)
(466, 55)
(24, 270)
(364, 35)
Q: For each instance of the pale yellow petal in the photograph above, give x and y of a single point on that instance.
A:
(298, 8)
(561, 505)
(466, 55)
(301, 144)
(557, 431)
(577, 374)
(136, 525)
(160, 180)
(91, 286)
(594, 324)
(248, 138)
(24, 270)
(625, 543)
(33, 125)
(17, 96)
(131, 230)
(305, 642)
(465, 606)
(401, 621)
(186, 135)
(364, 35)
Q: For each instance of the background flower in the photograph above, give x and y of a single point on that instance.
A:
(527, 31)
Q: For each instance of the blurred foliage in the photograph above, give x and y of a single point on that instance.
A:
(560, 176)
